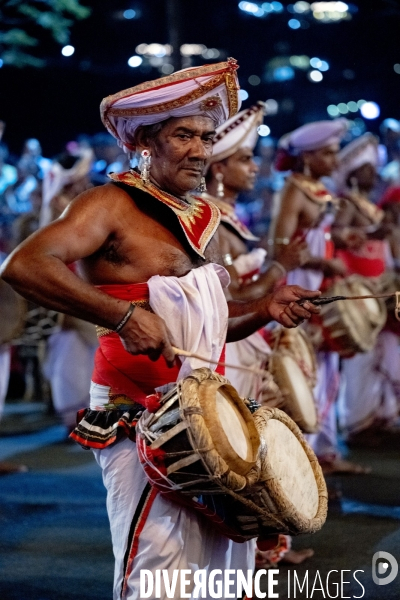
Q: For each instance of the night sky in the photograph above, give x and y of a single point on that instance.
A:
(62, 100)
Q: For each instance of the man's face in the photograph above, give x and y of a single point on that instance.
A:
(322, 162)
(179, 153)
(365, 176)
(239, 171)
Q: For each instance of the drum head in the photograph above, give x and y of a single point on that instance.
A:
(292, 477)
(299, 399)
(291, 467)
(230, 425)
(371, 305)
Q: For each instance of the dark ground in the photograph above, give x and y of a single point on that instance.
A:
(54, 536)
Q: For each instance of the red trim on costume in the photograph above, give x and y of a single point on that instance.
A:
(135, 542)
(198, 217)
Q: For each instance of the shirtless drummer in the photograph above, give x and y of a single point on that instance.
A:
(145, 227)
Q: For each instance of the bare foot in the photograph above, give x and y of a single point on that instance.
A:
(296, 557)
(7, 468)
(339, 466)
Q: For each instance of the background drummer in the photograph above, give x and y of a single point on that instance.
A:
(232, 170)
(370, 386)
(306, 208)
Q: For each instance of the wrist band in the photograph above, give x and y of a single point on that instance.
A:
(278, 265)
(125, 318)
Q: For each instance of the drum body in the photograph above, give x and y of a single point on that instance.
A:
(351, 326)
(297, 343)
(12, 313)
(390, 284)
(296, 395)
(193, 447)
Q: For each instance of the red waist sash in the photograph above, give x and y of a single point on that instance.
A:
(128, 375)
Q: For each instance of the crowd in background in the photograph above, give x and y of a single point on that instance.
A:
(28, 201)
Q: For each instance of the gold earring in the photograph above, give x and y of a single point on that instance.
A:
(144, 166)
(220, 185)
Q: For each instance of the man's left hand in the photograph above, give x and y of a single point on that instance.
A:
(284, 308)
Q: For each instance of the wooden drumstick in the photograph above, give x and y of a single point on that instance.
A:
(253, 370)
(328, 300)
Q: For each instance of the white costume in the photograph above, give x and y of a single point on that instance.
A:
(5, 361)
(309, 137)
(370, 386)
(166, 535)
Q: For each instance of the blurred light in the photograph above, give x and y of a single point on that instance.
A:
(167, 69)
(302, 7)
(324, 66)
(315, 62)
(301, 62)
(135, 61)
(243, 95)
(330, 11)
(192, 49)
(294, 24)
(252, 8)
(332, 110)
(67, 50)
(360, 103)
(352, 106)
(254, 80)
(391, 124)
(158, 50)
(263, 130)
(342, 107)
(283, 74)
(130, 13)
(348, 74)
(267, 7)
(277, 6)
(1, 63)
(210, 53)
(271, 106)
(396, 68)
(315, 76)
(370, 110)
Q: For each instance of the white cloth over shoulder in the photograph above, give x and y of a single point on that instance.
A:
(195, 311)
(316, 239)
(250, 352)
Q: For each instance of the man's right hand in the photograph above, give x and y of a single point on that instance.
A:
(146, 333)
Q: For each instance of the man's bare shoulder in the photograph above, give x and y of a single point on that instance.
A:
(108, 196)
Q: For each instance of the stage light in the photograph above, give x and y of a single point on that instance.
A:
(324, 66)
(332, 110)
(370, 110)
(348, 74)
(167, 69)
(210, 53)
(352, 106)
(315, 62)
(130, 13)
(294, 24)
(243, 95)
(135, 61)
(301, 62)
(315, 76)
(396, 68)
(360, 103)
(67, 50)
(267, 7)
(263, 130)
(254, 80)
(1, 63)
(342, 107)
(277, 6)
(192, 49)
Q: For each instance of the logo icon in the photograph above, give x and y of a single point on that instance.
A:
(380, 568)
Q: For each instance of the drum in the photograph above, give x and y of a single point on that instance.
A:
(292, 488)
(12, 313)
(351, 326)
(297, 342)
(295, 394)
(202, 449)
(38, 324)
(390, 284)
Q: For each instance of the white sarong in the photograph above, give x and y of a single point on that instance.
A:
(165, 535)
